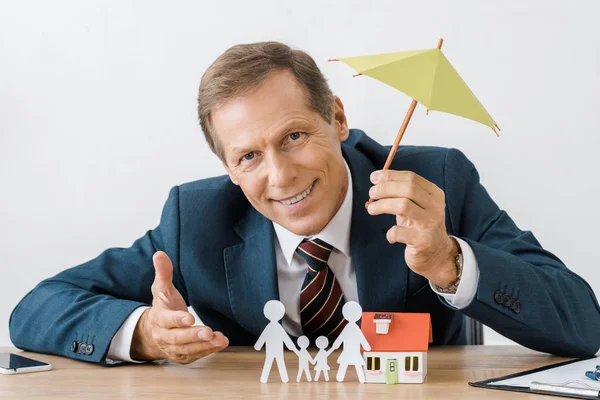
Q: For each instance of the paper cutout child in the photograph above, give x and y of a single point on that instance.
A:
(351, 337)
(304, 358)
(321, 358)
(274, 337)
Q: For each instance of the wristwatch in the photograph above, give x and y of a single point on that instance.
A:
(458, 261)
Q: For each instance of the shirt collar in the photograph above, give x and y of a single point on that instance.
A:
(336, 232)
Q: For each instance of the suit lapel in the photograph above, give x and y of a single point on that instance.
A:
(251, 271)
(381, 272)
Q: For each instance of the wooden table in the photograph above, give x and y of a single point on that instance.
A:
(235, 373)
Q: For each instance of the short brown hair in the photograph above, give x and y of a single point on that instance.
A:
(242, 68)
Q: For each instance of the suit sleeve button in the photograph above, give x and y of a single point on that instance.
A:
(506, 300)
(517, 308)
(74, 346)
(89, 349)
(498, 296)
(81, 348)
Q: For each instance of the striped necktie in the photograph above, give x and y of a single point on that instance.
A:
(321, 298)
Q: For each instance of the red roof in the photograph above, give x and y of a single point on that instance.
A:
(407, 332)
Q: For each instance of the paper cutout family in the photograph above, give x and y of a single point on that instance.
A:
(393, 336)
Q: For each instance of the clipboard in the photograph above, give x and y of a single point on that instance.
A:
(488, 383)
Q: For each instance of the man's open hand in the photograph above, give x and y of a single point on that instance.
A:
(166, 331)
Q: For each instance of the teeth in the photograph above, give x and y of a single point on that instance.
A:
(296, 199)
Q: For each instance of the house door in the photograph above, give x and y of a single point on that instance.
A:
(391, 371)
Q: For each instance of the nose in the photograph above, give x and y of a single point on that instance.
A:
(282, 171)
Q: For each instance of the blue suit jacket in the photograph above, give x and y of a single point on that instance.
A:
(224, 266)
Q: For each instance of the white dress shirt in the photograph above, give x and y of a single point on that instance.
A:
(292, 268)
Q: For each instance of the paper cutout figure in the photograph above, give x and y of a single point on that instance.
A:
(304, 358)
(321, 358)
(274, 337)
(351, 337)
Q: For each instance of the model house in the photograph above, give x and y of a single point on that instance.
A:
(399, 344)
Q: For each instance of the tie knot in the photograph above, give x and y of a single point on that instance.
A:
(316, 253)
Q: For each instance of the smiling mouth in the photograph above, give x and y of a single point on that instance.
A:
(296, 199)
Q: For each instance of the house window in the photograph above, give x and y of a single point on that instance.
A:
(373, 364)
(411, 363)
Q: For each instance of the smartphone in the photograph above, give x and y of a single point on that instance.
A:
(14, 364)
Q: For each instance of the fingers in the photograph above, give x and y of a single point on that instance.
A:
(171, 335)
(408, 177)
(402, 189)
(163, 268)
(173, 319)
(190, 352)
(399, 206)
(181, 336)
(162, 287)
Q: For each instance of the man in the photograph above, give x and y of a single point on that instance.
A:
(289, 218)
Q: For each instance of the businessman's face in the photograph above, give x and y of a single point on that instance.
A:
(285, 157)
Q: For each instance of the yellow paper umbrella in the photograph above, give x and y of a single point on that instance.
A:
(428, 77)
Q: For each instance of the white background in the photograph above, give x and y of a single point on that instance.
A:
(98, 111)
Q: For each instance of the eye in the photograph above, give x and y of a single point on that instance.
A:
(295, 135)
(249, 156)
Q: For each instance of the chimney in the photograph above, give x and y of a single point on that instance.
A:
(382, 322)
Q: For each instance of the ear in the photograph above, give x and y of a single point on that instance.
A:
(230, 173)
(339, 119)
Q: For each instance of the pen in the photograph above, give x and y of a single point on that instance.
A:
(587, 391)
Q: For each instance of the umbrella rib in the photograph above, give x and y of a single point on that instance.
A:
(478, 105)
(389, 62)
(434, 76)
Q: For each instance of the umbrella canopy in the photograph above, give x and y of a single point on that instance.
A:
(428, 77)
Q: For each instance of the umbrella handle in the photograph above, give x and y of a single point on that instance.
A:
(409, 114)
(394, 148)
